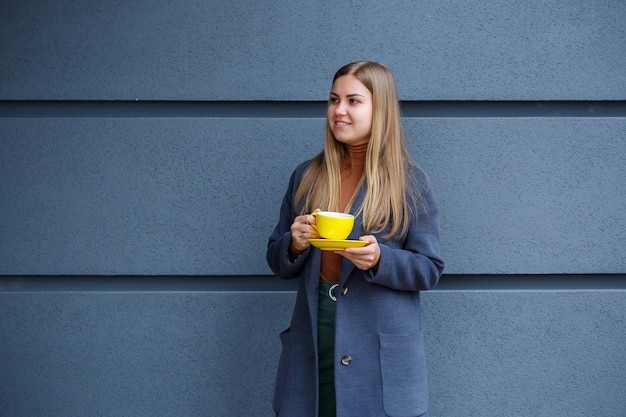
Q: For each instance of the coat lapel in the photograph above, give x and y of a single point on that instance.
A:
(357, 231)
(312, 277)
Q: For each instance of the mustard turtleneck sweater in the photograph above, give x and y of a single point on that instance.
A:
(352, 169)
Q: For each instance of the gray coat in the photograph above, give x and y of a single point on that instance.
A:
(380, 368)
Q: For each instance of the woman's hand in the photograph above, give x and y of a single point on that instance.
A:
(366, 257)
(301, 231)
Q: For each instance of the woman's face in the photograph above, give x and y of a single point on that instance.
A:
(349, 111)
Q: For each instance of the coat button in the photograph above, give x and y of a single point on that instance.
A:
(346, 360)
(344, 290)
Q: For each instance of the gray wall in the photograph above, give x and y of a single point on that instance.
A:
(145, 148)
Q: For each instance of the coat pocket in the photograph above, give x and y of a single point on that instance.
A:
(283, 367)
(403, 370)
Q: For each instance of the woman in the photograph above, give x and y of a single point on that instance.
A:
(355, 345)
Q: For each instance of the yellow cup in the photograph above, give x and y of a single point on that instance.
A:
(333, 225)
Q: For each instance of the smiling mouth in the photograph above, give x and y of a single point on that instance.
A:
(339, 123)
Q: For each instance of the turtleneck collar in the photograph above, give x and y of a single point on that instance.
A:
(355, 155)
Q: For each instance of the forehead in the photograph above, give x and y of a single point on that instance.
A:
(349, 84)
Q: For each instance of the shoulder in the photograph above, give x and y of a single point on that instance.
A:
(298, 172)
(419, 178)
(302, 167)
(296, 177)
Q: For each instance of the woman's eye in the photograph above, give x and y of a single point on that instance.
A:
(333, 100)
(354, 101)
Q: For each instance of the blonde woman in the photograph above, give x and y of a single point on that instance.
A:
(355, 345)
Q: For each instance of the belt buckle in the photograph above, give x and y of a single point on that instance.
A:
(331, 292)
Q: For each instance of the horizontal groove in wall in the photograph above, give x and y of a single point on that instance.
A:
(301, 109)
(268, 283)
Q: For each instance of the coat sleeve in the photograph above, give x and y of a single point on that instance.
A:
(413, 263)
(277, 255)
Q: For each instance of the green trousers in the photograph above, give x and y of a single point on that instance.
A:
(326, 350)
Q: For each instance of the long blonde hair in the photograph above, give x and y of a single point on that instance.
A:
(391, 193)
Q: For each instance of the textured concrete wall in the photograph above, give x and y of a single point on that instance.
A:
(145, 147)
(198, 50)
(200, 195)
(197, 346)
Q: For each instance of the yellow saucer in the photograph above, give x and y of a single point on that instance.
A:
(337, 244)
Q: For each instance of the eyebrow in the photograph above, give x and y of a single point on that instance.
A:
(332, 93)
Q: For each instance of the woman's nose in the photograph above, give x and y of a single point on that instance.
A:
(340, 109)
